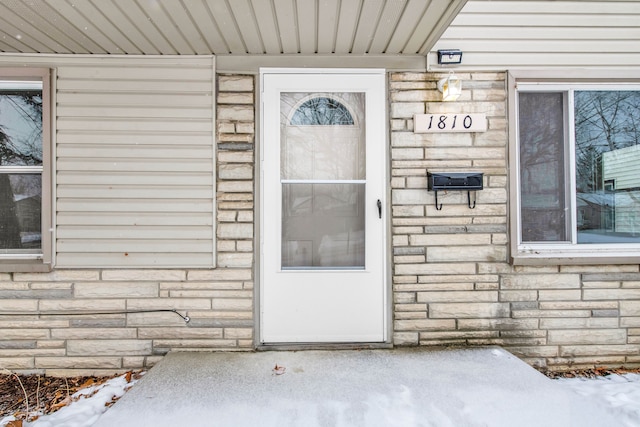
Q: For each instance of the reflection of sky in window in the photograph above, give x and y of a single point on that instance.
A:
(22, 124)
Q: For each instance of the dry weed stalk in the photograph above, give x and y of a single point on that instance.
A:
(13, 374)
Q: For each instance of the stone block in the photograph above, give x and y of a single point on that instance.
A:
(232, 304)
(466, 253)
(409, 315)
(541, 281)
(235, 157)
(235, 112)
(143, 275)
(424, 325)
(17, 363)
(235, 171)
(585, 337)
(176, 332)
(235, 186)
(469, 310)
(235, 231)
(511, 296)
(245, 216)
(226, 127)
(133, 363)
(445, 286)
(630, 308)
(605, 313)
(244, 245)
(238, 333)
(24, 334)
(435, 268)
(247, 127)
(164, 319)
(559, 295)
(504, 324)
(168, 304)
(58, 276)
(14, 286)
(449, 239)
(405, 338)
(609, 277)
(235, 98)
(578, 305)
(457, 296)
(79, 362)
(115, 290)
(194, 344)
(235, 83)
(579, 323)
(409, 306)
(611, 294)
(406, 110)
(36, 294)
(237, 259)
(87, 305)
(227, 245)
(203, 293)
(519, 313)
(409, 251)
(598, 350)
(410, 197)
(220, 274)
(227, 216)
(109, 347)
(408, 259)
(89, 333)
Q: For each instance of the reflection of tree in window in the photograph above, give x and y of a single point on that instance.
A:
(604, 121)
(607, 133)
(20, 145)
(321, 111)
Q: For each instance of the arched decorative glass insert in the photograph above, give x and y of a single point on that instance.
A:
(322, 111)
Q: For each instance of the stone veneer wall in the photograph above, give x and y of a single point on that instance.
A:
(219, 301)
(452, 283)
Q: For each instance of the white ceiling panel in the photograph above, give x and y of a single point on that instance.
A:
(224, 27)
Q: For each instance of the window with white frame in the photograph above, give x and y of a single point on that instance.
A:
(23, 166)
(578, 169)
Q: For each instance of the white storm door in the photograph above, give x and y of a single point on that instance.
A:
(323, 199)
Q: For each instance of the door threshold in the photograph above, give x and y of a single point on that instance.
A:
(324, 346)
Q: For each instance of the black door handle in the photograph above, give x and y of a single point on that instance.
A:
(379, 203)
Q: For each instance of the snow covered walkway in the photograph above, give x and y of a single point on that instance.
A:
(453, 388)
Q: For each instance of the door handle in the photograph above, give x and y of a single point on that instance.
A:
(379, 203)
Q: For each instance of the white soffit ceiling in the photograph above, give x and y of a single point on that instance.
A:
(224, 27)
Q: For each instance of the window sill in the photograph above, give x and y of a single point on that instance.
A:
(578, 257)
(26, 266)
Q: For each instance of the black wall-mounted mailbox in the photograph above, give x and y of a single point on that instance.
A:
(466, 181)
(454, 181)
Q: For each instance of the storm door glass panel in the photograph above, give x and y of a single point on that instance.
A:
(542, 167)
(607, 124)
(323, 180)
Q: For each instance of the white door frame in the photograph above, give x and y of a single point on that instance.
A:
(382, 175)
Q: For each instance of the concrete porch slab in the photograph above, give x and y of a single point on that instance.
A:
(449, 388)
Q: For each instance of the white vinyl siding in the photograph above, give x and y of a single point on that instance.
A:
(135, 162)
(502, 35)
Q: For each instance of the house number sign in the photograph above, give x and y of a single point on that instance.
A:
(449, 122)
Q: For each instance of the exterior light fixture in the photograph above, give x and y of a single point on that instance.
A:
(451, 87)
(449, 56)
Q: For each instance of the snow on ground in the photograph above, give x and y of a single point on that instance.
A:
(619, 393)
(86, 407)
